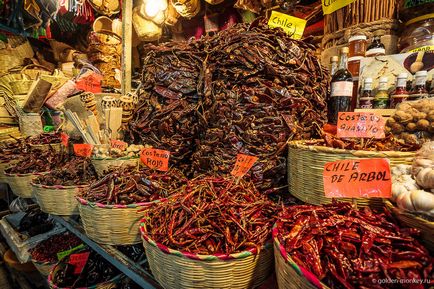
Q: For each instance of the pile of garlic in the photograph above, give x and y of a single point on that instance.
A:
(105, 151)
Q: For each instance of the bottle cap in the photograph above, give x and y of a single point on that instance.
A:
(421, 73)
(334, 58)
(368, 80)
(345, 50)
(403, 75)
(384, 79)
(357, 37)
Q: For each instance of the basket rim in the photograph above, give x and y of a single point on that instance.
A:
(114, 159)
(57, 187)
(42, 263)
(25, 175)
(199, 257)
(301, 271)
(391, 206)
(96, 286)
(300, 144)
(85, 202)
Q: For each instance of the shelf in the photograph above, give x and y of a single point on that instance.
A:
(112, 255)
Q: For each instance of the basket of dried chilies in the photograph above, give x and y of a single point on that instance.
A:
(306, 161)
(109, 208)
(337, 246)
(212, 234)
(20, 175)
(46, 141)
(56, 192)
(47, 253)
(10, 154)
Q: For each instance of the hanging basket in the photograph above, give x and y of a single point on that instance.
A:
(13, 55)
(176, 269)
(146, 29)
(186, 8)
(57, 200)
(20, 183)
(306, 166)
(112, 224)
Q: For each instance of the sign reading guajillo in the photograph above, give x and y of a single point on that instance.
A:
(291, 25)
(330, 6)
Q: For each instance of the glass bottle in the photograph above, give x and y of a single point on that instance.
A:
(381, 99)
(419, 91)
(376, 48)
(341, 89)
(333, 65)
(400, 94)
(357, 45)
(366, 100)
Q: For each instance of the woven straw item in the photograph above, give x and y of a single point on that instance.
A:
(306, 166)
(175, 269)
(112, 224)
(102, 165)
(20, 183)
(111, 284)
(289, 275)
(413, 221)
(43, 268)
(57, 200)
(4, 166)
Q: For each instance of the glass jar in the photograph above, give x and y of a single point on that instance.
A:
(357, 45)
(418, 34)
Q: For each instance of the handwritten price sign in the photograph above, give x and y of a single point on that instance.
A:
(83, 150)
(360, 124)
(155, 159)
(118, 144)
(363, 178)
(91, 83)
(243, 164)
(79, 261)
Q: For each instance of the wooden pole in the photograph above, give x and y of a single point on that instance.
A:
(127, 29)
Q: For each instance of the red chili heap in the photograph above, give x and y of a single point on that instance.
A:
(212, 215)
(128, 186)
(44, 138)
(347, 248)
(47, 250)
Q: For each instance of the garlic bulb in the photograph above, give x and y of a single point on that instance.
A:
(404, 202)
(422, 201)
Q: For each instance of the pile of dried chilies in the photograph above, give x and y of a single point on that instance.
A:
(38, 161)
(212, 215)
(75, 172)
(44, 138)
(349, 248)
(127, 185)
(46, 251)
(13, 150)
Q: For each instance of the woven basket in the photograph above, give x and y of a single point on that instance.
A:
(111, 284)
(306, 166)
(13, 56)
(413, 221)
(4, 166)
(102, 165)
(20, 183)
(112, 224)
(57, 200)
(289, 275)
(43, 267)
(175, 269)
(21, 86)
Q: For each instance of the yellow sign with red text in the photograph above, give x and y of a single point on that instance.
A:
(330, 6)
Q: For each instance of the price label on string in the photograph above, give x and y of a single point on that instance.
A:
(155, 159)
(83, 150)
(361, 178)
(90, 82)
(79, 260)
(118, 144)
(65, 138)
(63, 254)
(360, 124)
(243, 164)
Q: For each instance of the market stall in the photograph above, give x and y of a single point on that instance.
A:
(217, 144)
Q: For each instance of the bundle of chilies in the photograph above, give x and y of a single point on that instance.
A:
(348, 248)
(38, 161)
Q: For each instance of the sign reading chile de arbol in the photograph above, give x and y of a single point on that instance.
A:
(293, 26)
(330, 6)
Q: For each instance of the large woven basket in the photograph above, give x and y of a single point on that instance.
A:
(57, 200)
(306, 166)
(111, 284)
(176, 269)
(289, 275)
(112, 224)
(413, 221)
(20, 183)
(4, 166)
(102, 165)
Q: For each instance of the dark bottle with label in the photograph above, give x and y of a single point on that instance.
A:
(376, 48)
(341, 89)
(366, 101)
(419, 91)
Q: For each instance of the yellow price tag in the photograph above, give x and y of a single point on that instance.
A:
(292, 25)
(423, 48)
(330, 6)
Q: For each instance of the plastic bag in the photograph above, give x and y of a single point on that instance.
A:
(18, 205)
(413, 121)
